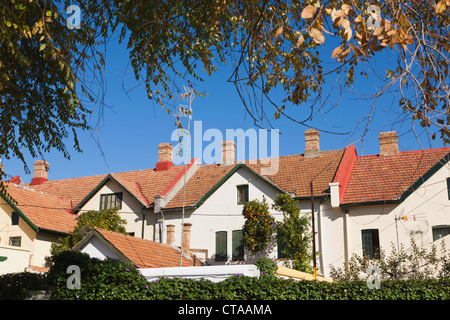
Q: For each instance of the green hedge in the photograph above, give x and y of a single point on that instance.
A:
(113, 279)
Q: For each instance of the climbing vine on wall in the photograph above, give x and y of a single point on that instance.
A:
(258, 227)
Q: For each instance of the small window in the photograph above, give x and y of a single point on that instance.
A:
(242, 194)
(15, 241)
(15, 218)
(281, 246)
(221, 246)
(440, 231)
(238, 245)
(111, 200)
(370, 243)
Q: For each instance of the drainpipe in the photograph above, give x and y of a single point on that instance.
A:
(346, 240)
(161, 227)
(143, 223)
(319, 232)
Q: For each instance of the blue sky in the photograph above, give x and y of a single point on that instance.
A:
(132, 127)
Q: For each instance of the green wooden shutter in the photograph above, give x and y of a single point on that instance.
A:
(221, 246)
(238, 245)
(102, 201)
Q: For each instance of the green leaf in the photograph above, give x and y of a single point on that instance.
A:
(42, 47)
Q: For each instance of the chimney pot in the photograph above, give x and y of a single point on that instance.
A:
(165, 157)
(40, 174)
(388, 143)
(312, 145)
(186, 239)
(228, 153)
(170, 234)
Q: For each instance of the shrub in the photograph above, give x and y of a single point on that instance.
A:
(18, 286)
(113, 279)
(100, 279)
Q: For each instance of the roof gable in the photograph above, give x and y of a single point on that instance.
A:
(207, 180)
(132, 188)
(140, 252)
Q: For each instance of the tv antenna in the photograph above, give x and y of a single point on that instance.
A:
(185, 111)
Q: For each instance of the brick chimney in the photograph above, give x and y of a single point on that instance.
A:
(186, 239)
(228, 153)
(40, 173)
(312, 145)
(165, 157)
(388, 143)
(170, 234)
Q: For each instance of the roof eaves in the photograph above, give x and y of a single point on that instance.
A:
(108, 177)
(106, 242)
(227, 176)
(427, 175)
(20, 212)
(367, 203)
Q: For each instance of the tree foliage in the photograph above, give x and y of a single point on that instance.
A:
(107, 219)
(293, 233)
(50, 79)
(258, 227)
(44, 97)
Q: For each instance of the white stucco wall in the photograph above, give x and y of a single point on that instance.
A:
(429, 203)
(21, 257)
(220, 212)
(97, 249)
(17, 259)
(131, 210)
(330, 237)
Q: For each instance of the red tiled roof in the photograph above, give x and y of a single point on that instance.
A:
(385, 178)
(294, 174)
(145, 253)
(43, 210)
(143, 184)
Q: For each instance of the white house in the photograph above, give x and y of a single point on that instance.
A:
(358, 200)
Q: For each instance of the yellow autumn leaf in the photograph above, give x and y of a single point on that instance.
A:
(317, 36)
(300, 40)
(336, 52)
(279, 31)
(440, 7)
(308, 12)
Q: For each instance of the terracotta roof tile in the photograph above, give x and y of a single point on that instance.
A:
(296, 172)
(386, 178)
(145, 253)
(294, 175)
(143, 184)
(43, 210)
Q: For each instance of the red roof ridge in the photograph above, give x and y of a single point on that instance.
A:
(405, 152)
(178, 177)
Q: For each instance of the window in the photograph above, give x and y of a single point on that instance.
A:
(238, 245)
(440, 231)
(15, 241)
(281, 246)
(242, 194)
(221, 246)
(111, 200)
(370, 243)
(15, 218)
